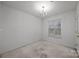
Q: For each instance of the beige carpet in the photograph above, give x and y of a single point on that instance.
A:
(41, 50)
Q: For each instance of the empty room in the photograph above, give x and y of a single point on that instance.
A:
(39, 29)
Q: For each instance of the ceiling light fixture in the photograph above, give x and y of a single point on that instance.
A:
(44, 12)
(43, 8)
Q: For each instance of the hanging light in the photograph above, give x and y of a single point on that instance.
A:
(44, 12)
(43, 8)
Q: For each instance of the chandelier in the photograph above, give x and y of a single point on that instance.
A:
(43, 12)
(43, 8)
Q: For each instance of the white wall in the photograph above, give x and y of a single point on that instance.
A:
(78, 14)
(18, 28)
(77, 38)
(1, 32)
(67, 28)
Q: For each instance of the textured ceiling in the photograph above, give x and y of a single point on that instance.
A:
(29, 7)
